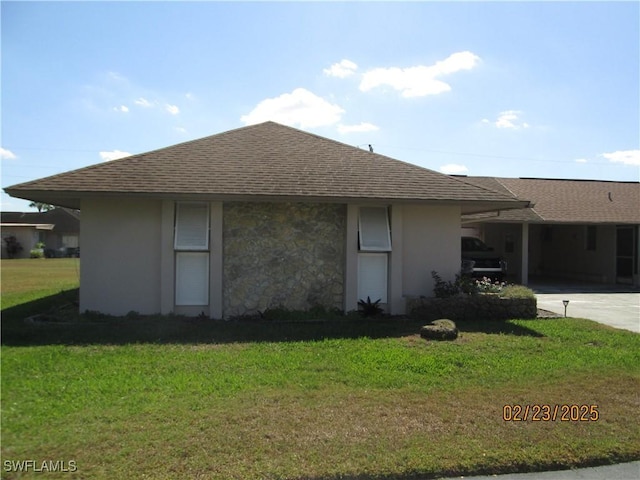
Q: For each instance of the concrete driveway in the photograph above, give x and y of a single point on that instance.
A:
(623, 471)
(614, 305)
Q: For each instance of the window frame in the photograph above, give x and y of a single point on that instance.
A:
(365, 232)
(177, 245)
(185, 277)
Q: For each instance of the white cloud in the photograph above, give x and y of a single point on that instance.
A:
(143, 102)
(181, 130)
(453, 169)
(172, 109)
(626, 157)
(508, 119)
(361, 127)
(7, 154)
(121, 108)
(116, 77)
(113, 155)
(298, 108)
(343, 69)
(581, 160)
(421, 80)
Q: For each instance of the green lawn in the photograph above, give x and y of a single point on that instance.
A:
(148, 397)
(29, 279)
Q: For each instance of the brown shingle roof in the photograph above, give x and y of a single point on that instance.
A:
(267, 161)
(568, 201)
(65, 220)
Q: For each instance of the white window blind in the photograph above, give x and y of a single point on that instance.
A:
(192, 278)
(373, 227)
(192, 226)
(372, 276)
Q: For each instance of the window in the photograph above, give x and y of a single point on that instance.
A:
(70, 241)
(192, 226)
(375, 244)
(372, 276)
(373, 229)
(591, 236)
(509, 243)
(192, 278)
(192, 256)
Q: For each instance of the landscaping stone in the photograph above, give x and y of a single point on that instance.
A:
(441, 329)
(472, 307)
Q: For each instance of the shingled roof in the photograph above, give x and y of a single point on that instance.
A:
(267, 161)
(567, 201)
(63, 219)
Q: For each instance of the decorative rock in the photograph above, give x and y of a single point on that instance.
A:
(442, 329)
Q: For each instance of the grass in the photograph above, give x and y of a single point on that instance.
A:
(158, 397)
(31, 279)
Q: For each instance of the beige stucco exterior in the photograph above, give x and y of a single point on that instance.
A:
(275, 254)
(120, 266)
(27, 237)
(431, 241)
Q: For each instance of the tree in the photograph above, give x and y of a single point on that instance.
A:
(41, 206)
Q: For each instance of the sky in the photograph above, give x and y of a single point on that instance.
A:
(511, 89)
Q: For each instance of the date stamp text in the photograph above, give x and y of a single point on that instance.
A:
(550, 413)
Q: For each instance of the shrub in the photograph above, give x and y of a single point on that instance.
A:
(485, 285)
(13, 246)
(517, 291)
(463, 284)
(369, 308)
(36, 253)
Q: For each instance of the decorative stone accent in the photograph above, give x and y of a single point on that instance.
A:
(472, 307)
(289, 255)
(442, 329)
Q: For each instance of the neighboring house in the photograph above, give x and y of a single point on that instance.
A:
(58, 229)
(258, 217)
(583, 230)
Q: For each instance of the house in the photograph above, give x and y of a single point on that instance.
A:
(258, 217)
(58, 229)
(584, 230)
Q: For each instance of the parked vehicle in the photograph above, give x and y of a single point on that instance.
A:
(479, 260)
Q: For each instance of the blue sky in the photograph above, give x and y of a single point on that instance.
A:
(538, 89)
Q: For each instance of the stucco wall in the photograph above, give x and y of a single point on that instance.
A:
(120, 266)
(282, 254)
(27, 237)
(496, 236)
(431, 241)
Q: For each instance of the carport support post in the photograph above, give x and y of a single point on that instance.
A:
(524, 268)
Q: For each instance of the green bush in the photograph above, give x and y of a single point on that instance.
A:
(36, 253)
(517, 291)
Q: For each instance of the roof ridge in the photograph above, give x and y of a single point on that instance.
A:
(265, 160)
(532, 206)
(484, 187)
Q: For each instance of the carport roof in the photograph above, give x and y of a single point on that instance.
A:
(566, 201)
(264, 162)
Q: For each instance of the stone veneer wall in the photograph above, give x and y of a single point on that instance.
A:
(288, 255)
(472, 307)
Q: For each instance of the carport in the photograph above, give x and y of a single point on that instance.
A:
(578, 230)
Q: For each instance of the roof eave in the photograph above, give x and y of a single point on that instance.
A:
(72, 199)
